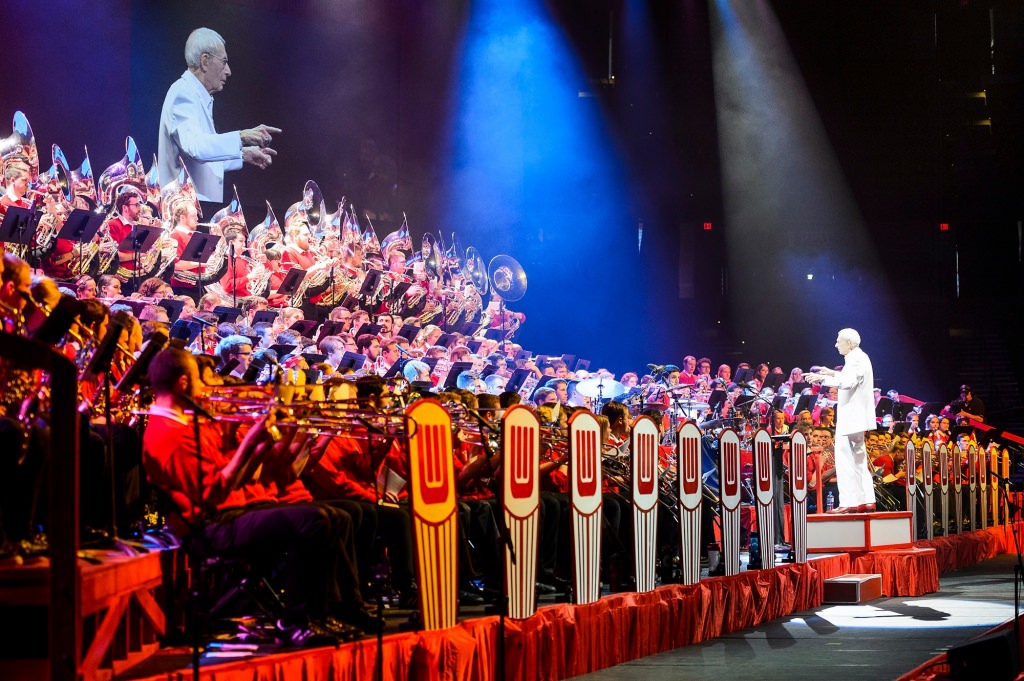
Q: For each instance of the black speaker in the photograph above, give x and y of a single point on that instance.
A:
(992, 657)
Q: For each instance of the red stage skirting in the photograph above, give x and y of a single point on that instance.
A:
(905, 572)
(960, 550)
(561, 640)
(566, 640)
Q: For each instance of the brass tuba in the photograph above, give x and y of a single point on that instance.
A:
(20, 146)
(59, 186)
(127, 171)
(82, 182)
(152, 195)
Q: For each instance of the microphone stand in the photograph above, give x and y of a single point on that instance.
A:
(1018, 568)
(234, 281)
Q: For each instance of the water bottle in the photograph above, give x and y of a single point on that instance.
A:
(830, 501)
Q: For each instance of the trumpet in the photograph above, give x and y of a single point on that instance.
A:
(340, 418)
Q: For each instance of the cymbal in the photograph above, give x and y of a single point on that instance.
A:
(604, 388)
(692, 404)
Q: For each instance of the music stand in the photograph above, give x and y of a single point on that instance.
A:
(264, 317)
(368, 328)
(523, 355)
(329, 328)
(138, 241)
(804, 403)
(773, 381)
(408, 332)
(445, 340)
(227, 315)
(19, 226)
(516, 380)
(453, 373)
(743, 375)
(371, 282)
(582, 365)
(139, 367)
(470, 329)
(199, 248)
(400, 288)
(290, 286)
(313, 358)
(474, 345)
(495, 334)
(883, 407)
(395, 369)
(304, 327)
(351, 360)
(173, 307)
(349, 302)
(283, 351)
(184, 331)
(81, 227)
(715, 401)
(58, 322)
(137, 306)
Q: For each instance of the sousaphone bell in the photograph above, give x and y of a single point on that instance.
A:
(507, 278)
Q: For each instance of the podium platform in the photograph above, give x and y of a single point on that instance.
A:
(853, 532)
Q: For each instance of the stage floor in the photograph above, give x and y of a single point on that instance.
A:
(879, 640)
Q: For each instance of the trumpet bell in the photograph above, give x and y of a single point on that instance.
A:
(507, 277)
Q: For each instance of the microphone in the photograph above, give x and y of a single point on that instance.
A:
(203, 321)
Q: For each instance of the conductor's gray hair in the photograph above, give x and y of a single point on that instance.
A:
(201, 41)
(850, 335)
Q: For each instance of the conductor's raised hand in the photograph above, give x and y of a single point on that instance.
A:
(260, 136)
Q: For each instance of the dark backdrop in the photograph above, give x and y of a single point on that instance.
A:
(890, 81)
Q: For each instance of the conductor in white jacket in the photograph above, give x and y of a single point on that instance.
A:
(855, 415)
(186, 123)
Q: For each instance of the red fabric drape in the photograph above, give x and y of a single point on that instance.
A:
(560, 641)
(909, 572)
